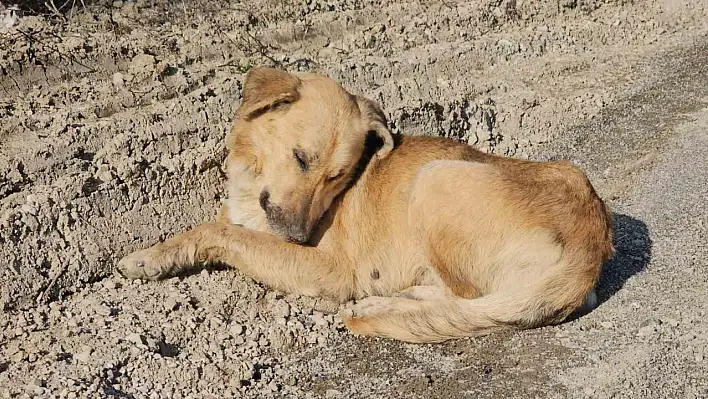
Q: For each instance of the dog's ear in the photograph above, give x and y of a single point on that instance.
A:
(371, 111)
(265, 88)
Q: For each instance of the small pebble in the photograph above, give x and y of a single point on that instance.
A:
(318, 318)
(170, 304)
(84, 356)
(332, 394)
(118, 79)
(135, 338)
(236, 329)
(647, 330)
(671, 322)
(273, 386)
(103, 310)
(282, 309)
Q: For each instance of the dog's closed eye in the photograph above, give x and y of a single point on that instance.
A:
(302, 160)
(335, 176)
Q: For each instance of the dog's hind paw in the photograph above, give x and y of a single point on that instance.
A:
(376, 305)
(361, 315)
(378, 315)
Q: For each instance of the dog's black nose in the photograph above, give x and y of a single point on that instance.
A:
(264, 200)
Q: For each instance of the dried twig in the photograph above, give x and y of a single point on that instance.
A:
(247, 42)
(53, 50)
(262, 48)
(53, 8)
(43, 295)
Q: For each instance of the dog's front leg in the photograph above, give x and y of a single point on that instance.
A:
(264, 257)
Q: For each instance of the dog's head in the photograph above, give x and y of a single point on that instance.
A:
(303, 140)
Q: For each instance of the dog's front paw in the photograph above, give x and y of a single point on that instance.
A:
(148, 264)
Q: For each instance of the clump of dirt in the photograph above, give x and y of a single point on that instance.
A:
(113, 117)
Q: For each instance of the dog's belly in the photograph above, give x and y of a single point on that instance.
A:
(389, 271)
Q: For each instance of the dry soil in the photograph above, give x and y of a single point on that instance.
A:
(112, 124)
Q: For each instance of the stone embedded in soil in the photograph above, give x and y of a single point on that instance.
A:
(142, 65)
(110, 284)
(84, 356)
(236, 329)
(135, 338)
(319, 319)
(647, 330)
(670, 322)
(103, 310)
(118, 79)
(282, 309)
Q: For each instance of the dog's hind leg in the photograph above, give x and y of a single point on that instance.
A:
(264, 257)
(437, 320)
(417, 321)
(435, 316)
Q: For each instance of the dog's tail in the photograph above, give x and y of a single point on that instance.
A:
(420, 319)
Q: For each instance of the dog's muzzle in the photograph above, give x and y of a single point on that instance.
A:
(291, 226)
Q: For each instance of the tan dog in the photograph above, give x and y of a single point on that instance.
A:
(434, 239)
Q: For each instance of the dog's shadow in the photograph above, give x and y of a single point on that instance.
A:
(632, 255)
(633, 250)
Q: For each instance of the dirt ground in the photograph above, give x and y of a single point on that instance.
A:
(112, 120)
